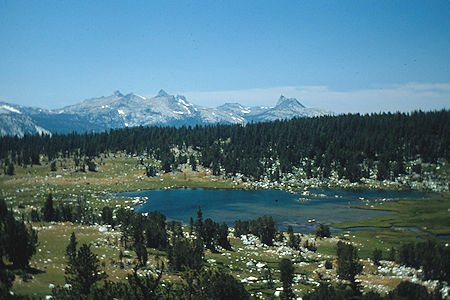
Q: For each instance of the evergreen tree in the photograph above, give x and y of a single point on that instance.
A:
(48, 210)
(185, 253)
(18, 241)
(211, 284)
(6, 281)
(107, 215)
(4, 235)
(91, 166)
(155, 231)
(125, 219)
(383, 169)
(241, 228)
(199, 222)
(268, 277)
(392, 254)
(193, 163)
(323, 231)
(417, 168)
(83, 271)
(408, 290)
(348, 265)
(222, 237)
(10, 170)
(150, 171)
(21, 237)
(71, 250)
(224, 286)
(35, 216)
(264, 228)
(286, 278)
(191, 225)
(141, 253)
(294, 240)
(376, 256)
(209, 234)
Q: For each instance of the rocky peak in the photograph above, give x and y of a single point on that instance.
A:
(162, 93)
(118, 94)
(283, 99)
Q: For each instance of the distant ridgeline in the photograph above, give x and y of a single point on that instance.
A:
(350, 144)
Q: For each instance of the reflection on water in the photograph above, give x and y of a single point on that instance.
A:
(326, 206)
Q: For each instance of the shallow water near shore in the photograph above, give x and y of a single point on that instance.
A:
(302, 211)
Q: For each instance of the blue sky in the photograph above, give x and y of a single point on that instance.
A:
(338, 55)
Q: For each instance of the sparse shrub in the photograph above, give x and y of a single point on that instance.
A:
(91, 166)
(376, 256)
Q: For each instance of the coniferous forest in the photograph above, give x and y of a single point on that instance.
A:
(349, 144)
(260, 150)
(161, 258)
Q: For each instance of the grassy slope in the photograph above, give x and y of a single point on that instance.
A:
(30, 186)
(430, 215)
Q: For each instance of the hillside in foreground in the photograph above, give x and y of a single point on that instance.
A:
(82, 173)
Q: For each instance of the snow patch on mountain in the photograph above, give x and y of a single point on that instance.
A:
(8, 108)
(120, 110)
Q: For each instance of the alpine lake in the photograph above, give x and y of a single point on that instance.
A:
(303, 210)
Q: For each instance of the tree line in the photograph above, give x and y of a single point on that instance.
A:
(352, 145)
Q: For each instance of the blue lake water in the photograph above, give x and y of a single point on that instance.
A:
(332, 206)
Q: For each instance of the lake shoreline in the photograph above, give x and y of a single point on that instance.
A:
(304, 211)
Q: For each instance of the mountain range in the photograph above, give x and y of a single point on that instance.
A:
(119, 111)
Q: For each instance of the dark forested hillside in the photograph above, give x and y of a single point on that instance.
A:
(349, 144)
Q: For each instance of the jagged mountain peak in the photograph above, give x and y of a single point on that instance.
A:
(119, 110)
(283, 99)
(162, 93)
(118, 93)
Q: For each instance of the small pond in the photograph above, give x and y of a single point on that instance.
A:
(298, 209)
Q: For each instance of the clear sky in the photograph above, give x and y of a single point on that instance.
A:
(338, 55)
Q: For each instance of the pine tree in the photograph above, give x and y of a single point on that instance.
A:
(141, 253)
(323, 231)
(376, 256)
(18, 240)
(209, 233)
(49, 211)
(286, 278)
(199, 222)
(193, 163)
(348, 265)
(392, 254)
(294, 240)
(71, 250)
(10, 170)
(91, 166)
(83, 271)
(222, 237)
(107, 215)
(191, 225)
